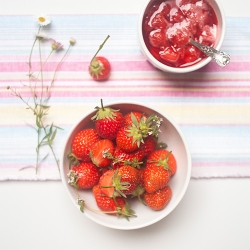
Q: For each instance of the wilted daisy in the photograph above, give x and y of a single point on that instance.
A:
(43, 20)
(72, 41)
(41, 36)
(55, 45)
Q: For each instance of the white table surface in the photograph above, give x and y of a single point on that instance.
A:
(214, 213)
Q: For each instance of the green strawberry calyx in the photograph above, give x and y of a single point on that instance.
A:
(104, 113)
(96, 68)
(118, 185)
(162, 162)
(141, 130)
(138, 192)
(73, 160)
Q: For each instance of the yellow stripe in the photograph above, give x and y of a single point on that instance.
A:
(182, 114)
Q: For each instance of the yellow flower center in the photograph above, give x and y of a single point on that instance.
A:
(41, 19)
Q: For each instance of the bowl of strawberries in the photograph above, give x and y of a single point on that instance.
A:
(125, 165)
(167, 28)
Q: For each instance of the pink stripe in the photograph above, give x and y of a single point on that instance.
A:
(220, 164)
(116, 66)
(136, 91)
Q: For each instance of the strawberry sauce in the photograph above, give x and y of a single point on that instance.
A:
(169, 25)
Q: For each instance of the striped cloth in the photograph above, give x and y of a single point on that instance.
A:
(211, 105)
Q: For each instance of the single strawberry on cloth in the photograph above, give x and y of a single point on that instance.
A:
(211, 105)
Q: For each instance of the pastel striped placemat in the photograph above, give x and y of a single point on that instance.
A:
(211, 105)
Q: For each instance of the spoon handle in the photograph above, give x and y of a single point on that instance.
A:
(221, 58)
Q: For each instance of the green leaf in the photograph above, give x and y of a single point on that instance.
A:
(38, 122)
(53, 136)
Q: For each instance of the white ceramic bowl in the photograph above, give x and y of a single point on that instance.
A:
(171, 134)
(215, 4)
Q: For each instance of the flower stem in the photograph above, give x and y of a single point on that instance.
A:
(53, 79)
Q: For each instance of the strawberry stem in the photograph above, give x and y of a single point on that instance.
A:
(102, 105)
(100, 47)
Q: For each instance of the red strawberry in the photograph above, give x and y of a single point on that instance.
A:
(121, 158)
(107, 122)
(158, 21)
(101, 153)
(176, 15)
(120, 182)
(163, 158)
(127, 142)
(99, 67)
(149, 145)
(157, 38)
(160, 166)
(106, 184)
(191, 53)
(129, 175)
(178, 37)
(155, 178)
(207, 36)
(83, 176)
(130, 137)
(169, 54)
(117, 206)
(81, 145)
(141, 176)
(159, 199)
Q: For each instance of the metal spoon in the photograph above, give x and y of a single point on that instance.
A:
(221, 58)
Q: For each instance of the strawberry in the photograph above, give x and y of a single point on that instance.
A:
(99, 67)
(107, 122)
(141, 176)
(191, 53)
(120, 158)
(126, 141)
(81, 145)
(160, 166)
(158, 21)
(176, 16)
(208, 35)
(155, 178)
(117, 206)
(149, 145)
(159, 199)
(83, 176)
(157, 38)
(163, 158)
(178, 37)
(129, 175)
(120, 182)
(130, 137)
(101, 153)
(169, 54)
(106, 184)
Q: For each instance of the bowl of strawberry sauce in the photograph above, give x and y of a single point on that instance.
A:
(125, 165)
(166, 27)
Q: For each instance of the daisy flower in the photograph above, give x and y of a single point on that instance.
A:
(55, 45)
(43, 20)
